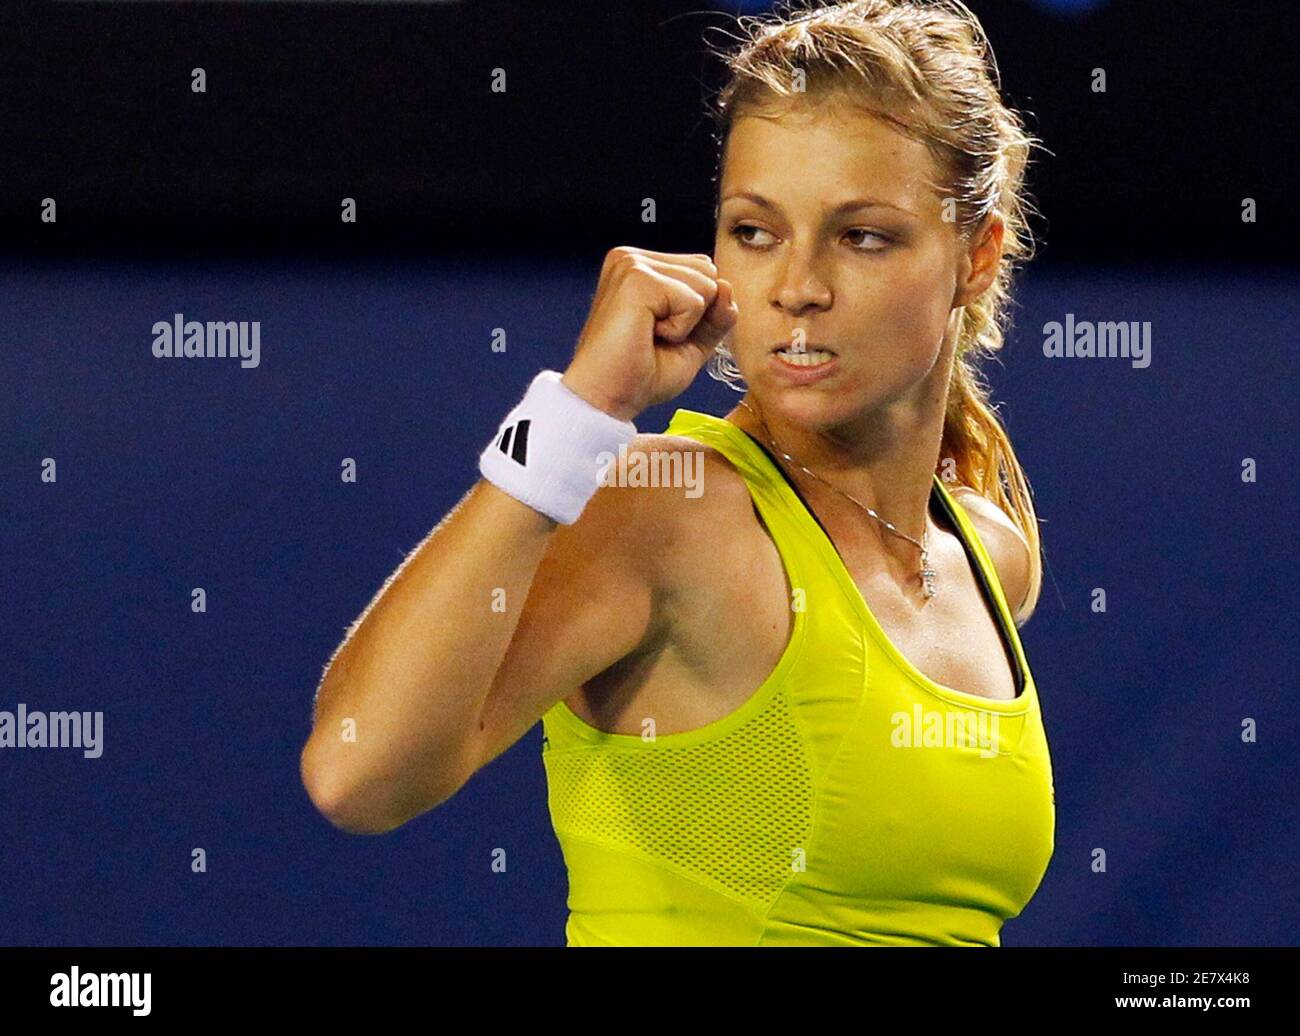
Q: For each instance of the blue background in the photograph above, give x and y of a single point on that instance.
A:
(181, 473)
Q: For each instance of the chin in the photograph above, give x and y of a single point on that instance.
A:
(822, 407)
(814, 406)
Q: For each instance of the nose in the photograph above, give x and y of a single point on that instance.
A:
(801, 286)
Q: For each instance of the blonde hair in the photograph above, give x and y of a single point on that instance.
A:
(927, 69)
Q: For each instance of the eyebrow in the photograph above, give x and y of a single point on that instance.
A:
(851, 205)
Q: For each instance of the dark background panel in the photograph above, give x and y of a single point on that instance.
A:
(391, 104)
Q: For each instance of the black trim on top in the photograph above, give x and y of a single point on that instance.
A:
(935, 496)
(1003, 631)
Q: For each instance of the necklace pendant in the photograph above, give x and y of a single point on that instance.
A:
(927, 581)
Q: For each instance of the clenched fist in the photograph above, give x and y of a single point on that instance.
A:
(654, 322)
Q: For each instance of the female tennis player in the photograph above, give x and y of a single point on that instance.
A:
(794, 708)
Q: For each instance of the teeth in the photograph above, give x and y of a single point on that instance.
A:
(808, 358)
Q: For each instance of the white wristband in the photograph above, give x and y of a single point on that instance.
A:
(547, 452)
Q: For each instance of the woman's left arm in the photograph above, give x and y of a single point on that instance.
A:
(1006, 545)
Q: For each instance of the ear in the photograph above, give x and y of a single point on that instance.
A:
(981, 260)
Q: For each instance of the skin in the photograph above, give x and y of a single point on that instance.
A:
(681, 609)
(882, 286)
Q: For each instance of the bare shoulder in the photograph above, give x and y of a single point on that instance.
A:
(690, 480)
(686, 487)
(1006, 546)
(637, 521)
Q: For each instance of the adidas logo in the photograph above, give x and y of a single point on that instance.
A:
(514, 441)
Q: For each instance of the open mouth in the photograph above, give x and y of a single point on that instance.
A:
(808, 356)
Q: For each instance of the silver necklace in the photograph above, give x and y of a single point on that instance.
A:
(927, 573)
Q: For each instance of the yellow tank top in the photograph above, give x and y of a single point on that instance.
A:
(850, 801)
